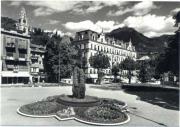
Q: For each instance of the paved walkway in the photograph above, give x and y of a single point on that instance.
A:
(143, 113)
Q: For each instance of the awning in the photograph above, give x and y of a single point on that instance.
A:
(17, 74)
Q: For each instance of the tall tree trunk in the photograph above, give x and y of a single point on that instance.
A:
(99, 76)
(129, 71)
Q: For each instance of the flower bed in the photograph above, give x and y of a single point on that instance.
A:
(41, 108)
(107, 112)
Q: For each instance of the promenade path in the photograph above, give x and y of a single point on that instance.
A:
(143, 113)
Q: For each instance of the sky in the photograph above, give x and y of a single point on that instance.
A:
(151, 18)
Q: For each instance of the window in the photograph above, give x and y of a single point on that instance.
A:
(101, 39)
(33, 69)
(40, 62)
(24, 21)
(10, 54)
(21, 55)
(98, 48)
(95, 47)
(91, 46)
(94, 71)
(93, 37)
(82, 46)
(8, 40)
(90, 71)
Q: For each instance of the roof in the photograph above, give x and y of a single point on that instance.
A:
(14, 33)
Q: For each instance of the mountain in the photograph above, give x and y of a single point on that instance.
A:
(141, 42)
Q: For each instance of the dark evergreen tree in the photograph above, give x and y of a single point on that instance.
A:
(169, 60)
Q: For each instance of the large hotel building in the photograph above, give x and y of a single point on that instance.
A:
(91, 42)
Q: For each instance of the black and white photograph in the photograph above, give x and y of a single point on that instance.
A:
(89, 63)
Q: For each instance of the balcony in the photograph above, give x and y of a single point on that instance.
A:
(9, 56)
(34, 57)
(15, 69)
(22, 57)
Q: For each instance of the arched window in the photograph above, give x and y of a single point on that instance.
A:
(90, 71)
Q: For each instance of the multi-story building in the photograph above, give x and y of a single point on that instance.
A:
(15, 51)
(91, 42)
(37, 65)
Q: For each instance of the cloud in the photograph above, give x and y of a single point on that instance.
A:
(151, 25)
(59, 32)
(43, 11)
(52, 22)
(107, 26)
(45, 7)
(83, 25)
(140, 8)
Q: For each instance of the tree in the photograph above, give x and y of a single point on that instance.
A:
(39, 37)
(145, 73)
(129, 65)
(169, 60)
(177, 18)
(8, 23)
(99, 61)
(59, 58)
(115, 71)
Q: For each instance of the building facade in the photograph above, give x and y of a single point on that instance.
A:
(37, 63)
(91, 42)
(15, 52)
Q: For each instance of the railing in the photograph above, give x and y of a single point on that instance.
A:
(9, 56)
(22, 57)
(34, 57)
(15, 69)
